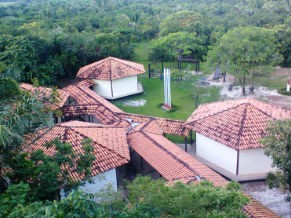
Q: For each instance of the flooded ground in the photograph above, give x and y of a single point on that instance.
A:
(263, 93)
(235, 91)
(271, 198)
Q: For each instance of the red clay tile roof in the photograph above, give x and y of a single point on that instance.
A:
(256, 210)
(170, 160)
(110, 144)
(238, 124)
(82, 82)
(85, 96)
(44, 93)
(90, 103)
(110, 69)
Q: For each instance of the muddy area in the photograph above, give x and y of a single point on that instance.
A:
(229, 91)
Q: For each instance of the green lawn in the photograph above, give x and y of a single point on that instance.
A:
(153, 94)
(182, 91)
(182, 99)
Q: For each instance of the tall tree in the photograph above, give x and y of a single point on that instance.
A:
(168, 47)
(278, 146)
(242, 49)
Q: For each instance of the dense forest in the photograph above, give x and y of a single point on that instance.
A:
(52, 39)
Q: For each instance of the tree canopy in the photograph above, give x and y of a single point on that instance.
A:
(278, 146)
(148, 198)
(242, 49)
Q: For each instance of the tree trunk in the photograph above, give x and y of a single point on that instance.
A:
(224, 75)
(252, 85)
(243, 84)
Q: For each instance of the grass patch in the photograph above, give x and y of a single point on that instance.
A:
(182, 98)
(176, 139)
(154, 95)
(283, 91)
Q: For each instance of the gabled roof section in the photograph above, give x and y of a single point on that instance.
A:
(110, 144)
(44, 94)
(110, 69)
(238, 124)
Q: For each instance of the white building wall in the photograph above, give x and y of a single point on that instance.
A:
(124, 86)
(102, 87)
(216, 153)
(254, 161)
(101, 182)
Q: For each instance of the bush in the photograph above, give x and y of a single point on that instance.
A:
(283, 91)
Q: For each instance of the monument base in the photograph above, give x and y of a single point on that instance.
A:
(166, 107)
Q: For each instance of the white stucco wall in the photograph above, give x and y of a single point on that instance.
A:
(103, 88)
(254, 161)
(216, 153)
(101, 182)
(124, 86)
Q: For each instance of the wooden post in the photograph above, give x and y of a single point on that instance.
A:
(191, 137)
(186, 148)
(149, 66)
(141, 164)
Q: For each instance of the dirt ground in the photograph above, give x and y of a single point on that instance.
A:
(281, 75)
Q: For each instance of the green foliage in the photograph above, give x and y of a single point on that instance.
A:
(242, 49)
(8, 88)
(179, 200)
(52, 39)
(181, 21)
(147, 198)
(168, 47)
(278, 146)
(77, 204)
(15, 195)
(283, 91)
(56, 169)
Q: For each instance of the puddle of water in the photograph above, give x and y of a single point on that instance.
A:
(134, 103)
(271, 198)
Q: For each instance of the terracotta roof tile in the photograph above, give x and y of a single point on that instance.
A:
(239, 124)
(256, 210)
(170, 160)
(44, 93)
(110, 144)
(168, 126)
(90, 103)
(110, 69)
(85, 96)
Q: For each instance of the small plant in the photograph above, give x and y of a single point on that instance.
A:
(283, 91)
